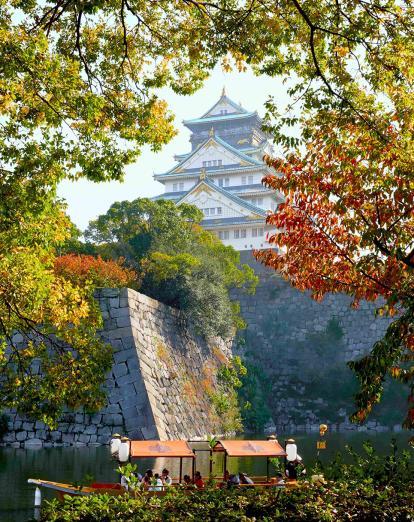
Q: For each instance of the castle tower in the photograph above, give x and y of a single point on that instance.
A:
(222, 174)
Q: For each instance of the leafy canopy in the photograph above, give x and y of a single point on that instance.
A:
(178, 262)
(347, 221)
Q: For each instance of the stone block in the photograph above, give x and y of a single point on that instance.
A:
(123, 321)
(96, 418)
(9, 437)
(68, 438)
(119, 370)
(33, 443)
(124, 355)
(28, 426)
(56, 436)
(113, 408)
(90, 430)
(83, 437)
(108, 292)
(129, 378)
(117, 345)
(112, 419)
(114, 302)
(103, 439)
(21, 436)
(119, 333)
(117, 313)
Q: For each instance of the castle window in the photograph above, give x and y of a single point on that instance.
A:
(236, 234)
(259, 202)
(220, 163)
(204, 163)
(174, 187)
(220, 182)
(226, 182)
(260, 232)
(212, 211)
(219, 211)
(254, 232)
(181, 186)
(214, 163)
(243, 180)
(206, 211)
(225, 234)
(250, 180)
(243, 232)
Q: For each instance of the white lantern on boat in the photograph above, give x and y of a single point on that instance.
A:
(123, 452)
(114, 444)
(291, 450)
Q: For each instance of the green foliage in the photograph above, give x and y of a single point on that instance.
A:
(395, 469)
(224, 399)
(178, 262)
(252, 394)
(361, 491)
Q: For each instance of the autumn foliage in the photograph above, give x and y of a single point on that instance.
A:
(347, 225)
(95, 270)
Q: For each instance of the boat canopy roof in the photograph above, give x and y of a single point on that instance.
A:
(250, 448)
(158, 448)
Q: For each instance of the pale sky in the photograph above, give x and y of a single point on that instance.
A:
(86, 200)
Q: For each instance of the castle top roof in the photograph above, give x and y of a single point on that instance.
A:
(223, 109)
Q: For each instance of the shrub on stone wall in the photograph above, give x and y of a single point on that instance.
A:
(178, 262)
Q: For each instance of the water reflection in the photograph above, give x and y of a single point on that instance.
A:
(72, 464)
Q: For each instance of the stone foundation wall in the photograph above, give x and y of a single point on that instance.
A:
(155, 388)
(301, 348)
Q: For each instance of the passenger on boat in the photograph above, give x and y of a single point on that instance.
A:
(244, 479)
(233, 481)
(156, 483)
(188, 483)
(198, 480)
(279, 482)
(165, 477)
(146, 481)
(124, 482)
(291, 471)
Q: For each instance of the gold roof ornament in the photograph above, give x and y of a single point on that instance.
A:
(203, 174)
(211, 133)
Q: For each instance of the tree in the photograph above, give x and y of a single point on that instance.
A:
(78, 98)
(178, 262)
(347, 226)
(84, 269)
(80, 81)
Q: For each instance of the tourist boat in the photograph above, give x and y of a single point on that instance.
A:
(125, 450)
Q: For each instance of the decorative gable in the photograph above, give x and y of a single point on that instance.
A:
(217, 203)
(214, 153)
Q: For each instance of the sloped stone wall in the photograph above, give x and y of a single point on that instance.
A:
(158, 386)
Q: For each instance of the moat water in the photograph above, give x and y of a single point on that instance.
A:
(74, 464)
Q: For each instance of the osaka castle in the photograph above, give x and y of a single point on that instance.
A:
(222, 173)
